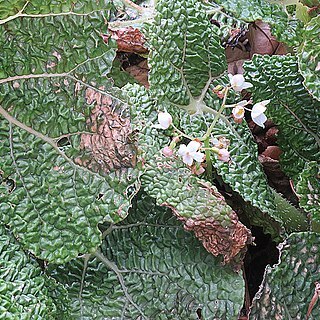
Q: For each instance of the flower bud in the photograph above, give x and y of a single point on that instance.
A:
(165, 119)
(224, 155)
(167, 151)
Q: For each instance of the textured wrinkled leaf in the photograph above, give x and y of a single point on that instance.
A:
(150, 268)
(185, 53)
(180, 77)
(196, 202)
(245, 175)
(286, 29)
(288, 287)
(35, 7)
(25, 291)
(309, 57)
(66, 156)
(308, 188)
(291, 108)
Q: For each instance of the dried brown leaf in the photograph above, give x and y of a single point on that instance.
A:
(128, 39)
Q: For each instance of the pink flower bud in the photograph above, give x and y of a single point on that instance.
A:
(224, 155)
(167, 151)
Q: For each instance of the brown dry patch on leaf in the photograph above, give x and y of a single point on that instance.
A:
(128, 39)
(230, 241)
(109, 146)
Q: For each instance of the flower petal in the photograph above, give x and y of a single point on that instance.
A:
(182, 150)
(238, 80)
(258, 109)
(238, 112)
(247, 85)
(260, 120)
(193, 146)
(165, 119)
(198, 156)
(265, 102)
(187, 159)
(242, 103)
(224, 155)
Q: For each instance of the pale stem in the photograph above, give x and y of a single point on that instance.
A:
(217, 116)
(208, 159)
(133, 5)
(128, 23)
(182, 133)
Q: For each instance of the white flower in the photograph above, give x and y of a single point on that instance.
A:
(238, 82)
(164, 119)
(238, 109)
(257, 113)
(224, 155)
(190, 152)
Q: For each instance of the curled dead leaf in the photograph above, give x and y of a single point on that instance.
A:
(128, 39)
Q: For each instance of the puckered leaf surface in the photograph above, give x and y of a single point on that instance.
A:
(184, 69)
(196, 202)
(291, 108)
(150, 268)
(18, 8)
(288, 288)
(185, 55)
(25, 292)
(66, 156)
(309, 57)
(308, 189)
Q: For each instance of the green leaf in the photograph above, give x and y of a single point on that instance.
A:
(308, 188)
(288, 287)
(291, 108)
(181, 78)
(309, 57)
(185, 54)
(25, 292)
(302, 13)
(196, 202)
(10, 9)
(150, 268)
(65, 147)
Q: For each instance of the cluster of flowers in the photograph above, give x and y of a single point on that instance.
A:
(192, 151)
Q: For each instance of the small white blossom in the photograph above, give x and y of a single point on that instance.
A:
(238, 109)
(257, 113)
(190, 152)
(221, 143)
(224, 155)
(238, 82)
(164, 119)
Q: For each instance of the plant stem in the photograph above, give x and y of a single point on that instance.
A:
(217, 116)
(181, 133)
(208, 159)
(132, 5)
(127, 23)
